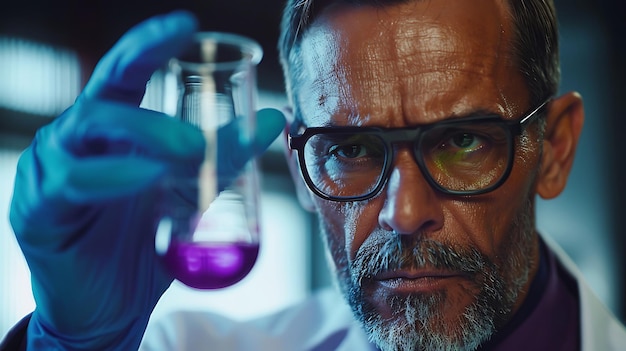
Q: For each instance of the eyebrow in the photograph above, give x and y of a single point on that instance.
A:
(477, 113)
(468, 115)
(474, 114)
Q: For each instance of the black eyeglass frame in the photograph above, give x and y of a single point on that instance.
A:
(412, 135)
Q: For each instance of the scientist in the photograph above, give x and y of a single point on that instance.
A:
(421, 133)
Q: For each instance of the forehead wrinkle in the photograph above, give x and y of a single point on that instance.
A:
(407, 69)
(505, 59)
(436, 57)
(323, 81)
(325, 53)
(376, 70)
(440, 61)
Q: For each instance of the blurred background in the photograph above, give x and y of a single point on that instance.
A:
(48, 49)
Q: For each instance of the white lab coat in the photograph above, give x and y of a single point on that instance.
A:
(325, 322)
(600, 329)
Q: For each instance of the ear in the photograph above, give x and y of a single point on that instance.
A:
(564, 124)
(302, 191)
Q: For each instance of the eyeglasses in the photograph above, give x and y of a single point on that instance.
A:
(468, 156)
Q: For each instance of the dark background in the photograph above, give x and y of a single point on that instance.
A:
(92, 27)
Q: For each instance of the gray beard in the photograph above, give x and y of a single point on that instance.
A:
(417, 322)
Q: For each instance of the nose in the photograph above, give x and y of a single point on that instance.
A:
(411, 206)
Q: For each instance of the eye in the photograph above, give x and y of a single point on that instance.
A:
(348, 151)
(465, 141)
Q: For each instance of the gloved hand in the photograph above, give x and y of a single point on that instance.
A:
(83, 200)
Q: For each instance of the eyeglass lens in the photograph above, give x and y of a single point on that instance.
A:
(458, 157)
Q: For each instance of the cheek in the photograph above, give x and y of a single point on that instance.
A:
(490, 219)
(520, 186)
(347, 224)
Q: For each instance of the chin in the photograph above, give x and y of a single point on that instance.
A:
(459, 313)
(432, 321)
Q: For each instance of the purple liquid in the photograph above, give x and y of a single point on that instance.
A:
(206, 265)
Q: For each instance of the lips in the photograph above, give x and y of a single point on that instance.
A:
(422, 280)
(415, 274)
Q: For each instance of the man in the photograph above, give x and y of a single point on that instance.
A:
(421, 133)
(432, 240)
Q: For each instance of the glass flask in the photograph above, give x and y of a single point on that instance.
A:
(207, 227)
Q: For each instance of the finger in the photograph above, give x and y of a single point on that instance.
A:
(64, 178)
(121, 75)
(233, 154)
(95, 179)
(101, 179)
(270, 123)
(92, 128)
(50, 183)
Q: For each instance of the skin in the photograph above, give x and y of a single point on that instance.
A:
(449, 71)
(418, 63)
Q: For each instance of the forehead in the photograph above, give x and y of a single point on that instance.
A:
(410, 63)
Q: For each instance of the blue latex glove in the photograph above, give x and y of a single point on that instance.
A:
(83, 200)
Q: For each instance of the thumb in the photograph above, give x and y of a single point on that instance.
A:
(122, 73)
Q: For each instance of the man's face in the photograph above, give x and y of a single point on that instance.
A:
(417, 266)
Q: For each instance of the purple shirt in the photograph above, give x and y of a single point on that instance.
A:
(549, 318)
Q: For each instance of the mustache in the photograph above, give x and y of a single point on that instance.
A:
(389, 252)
